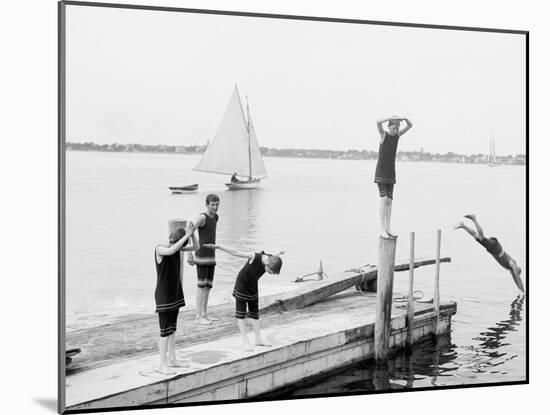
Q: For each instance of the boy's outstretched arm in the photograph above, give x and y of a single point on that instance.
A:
(231, 251)
(405, 128)
(171, 250)
(194, 243)
(199, 222)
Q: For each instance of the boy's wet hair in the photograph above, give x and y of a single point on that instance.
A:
(275, 263)
(176, 235)
(212, 198)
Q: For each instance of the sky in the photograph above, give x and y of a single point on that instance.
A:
(151, 77)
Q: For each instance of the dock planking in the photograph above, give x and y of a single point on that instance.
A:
(306, 343)
(112, 343)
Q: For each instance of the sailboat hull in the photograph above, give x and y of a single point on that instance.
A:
(241, 185)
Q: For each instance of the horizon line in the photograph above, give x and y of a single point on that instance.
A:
(421, 150)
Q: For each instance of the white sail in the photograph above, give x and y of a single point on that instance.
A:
(257, 166)
(230, 150)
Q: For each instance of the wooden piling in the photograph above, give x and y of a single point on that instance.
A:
(436, 284)
(382, 326)
(410, 300)
(174, 224)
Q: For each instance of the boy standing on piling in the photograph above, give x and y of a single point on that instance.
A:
(205, 257)
(246, 289)
(385, 168)
(169, 293)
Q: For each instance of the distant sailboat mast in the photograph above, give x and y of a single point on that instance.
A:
(249, 150)
(492, 157)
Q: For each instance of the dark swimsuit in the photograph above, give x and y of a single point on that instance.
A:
(205, 258)
(385, 167)
(246, 288)
(493, 246)
(168, 293)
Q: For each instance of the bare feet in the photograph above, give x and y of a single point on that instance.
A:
(384, 235)
(391, 234)
(203, 322)
(262, 342)
(247, 346)
(163, 370)
(209, 318)
(458, 225)
(470, 216)
(177, 363)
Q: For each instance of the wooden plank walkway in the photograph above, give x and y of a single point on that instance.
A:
(112, 343)
(306, 342)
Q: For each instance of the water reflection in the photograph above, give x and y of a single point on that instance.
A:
(492, 339)
(435, 362)
(490, 352)
(239, 225)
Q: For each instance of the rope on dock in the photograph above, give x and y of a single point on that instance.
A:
(405, 298)
(321, 275)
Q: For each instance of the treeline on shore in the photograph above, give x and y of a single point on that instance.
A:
(449, 157)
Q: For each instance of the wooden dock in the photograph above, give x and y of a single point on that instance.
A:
(135, 337)
(320, 326)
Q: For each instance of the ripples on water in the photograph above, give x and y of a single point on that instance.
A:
(433, 363)
(118, 207)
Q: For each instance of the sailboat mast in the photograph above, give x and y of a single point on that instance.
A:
(249, 150)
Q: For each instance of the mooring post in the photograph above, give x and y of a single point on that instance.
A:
(384, 292)
(410, 300)
(436, 285)
(174, 224)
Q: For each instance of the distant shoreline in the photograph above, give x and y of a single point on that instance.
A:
(303, 153)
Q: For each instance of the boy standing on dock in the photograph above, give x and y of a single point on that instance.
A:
(169, 293)
(385, 168)
(493, 246)
(205, 257)
(246, 289)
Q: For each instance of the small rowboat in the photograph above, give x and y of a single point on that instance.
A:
(184, 189)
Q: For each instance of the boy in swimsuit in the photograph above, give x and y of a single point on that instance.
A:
(385, 168)
(246, 289)
(205, 258)
(169, 293)
(494, 247)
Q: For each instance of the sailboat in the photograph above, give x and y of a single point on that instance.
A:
(491, 157)
(234, 150)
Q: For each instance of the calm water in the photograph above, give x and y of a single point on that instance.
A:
(118, 207)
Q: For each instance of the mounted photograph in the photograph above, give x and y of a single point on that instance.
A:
(268, 207)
